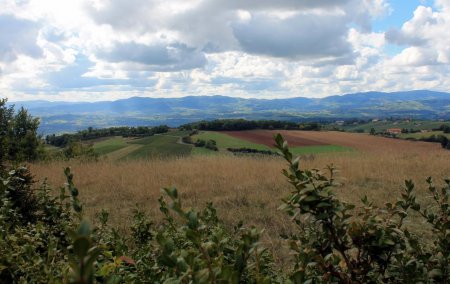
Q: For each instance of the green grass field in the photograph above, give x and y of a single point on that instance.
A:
(119, 148)
(51, 149)
(158, 146)
(177, 133)
(203, 151)
(145, 140)
(109, 145)
(305, 150)
(168, 144)
(225, 141)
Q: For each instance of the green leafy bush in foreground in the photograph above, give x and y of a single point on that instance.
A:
(44, 240)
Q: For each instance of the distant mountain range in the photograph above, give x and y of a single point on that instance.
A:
(67, 116)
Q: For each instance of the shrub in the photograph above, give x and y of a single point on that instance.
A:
(211, 145)
(79, 150)
(251, 151)
(336, 243)
(34, 231)
(200, 143)
(444, 141)
(20, 194)
(445, 128)
(187, 139)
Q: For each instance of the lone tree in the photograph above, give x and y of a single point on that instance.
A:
(19, 140)
(6, 115)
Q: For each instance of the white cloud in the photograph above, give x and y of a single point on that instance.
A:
(92, 49)
(18, 36)
(415, 56)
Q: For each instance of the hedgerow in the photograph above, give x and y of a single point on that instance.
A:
(43, 238)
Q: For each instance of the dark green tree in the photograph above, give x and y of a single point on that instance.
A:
(23, 138)
(6, 115)
(444, 141)
(19, 140)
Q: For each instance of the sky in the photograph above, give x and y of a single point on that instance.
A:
(93, 50)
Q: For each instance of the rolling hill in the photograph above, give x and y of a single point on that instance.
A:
(69, 116)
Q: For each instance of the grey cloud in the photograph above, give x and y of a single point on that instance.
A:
(283, 4)
(126, 14)
(220, 5)
(132, 14)
(398, 37)
(215, 26)
(344, 59)
(18, 37)
(253, 84)
(159, 57)
(302, 36)
(209, 23)
(71, 77)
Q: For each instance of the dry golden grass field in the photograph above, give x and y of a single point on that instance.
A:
(250, 188)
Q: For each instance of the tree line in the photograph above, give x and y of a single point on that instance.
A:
(242, 124)
(93, 133)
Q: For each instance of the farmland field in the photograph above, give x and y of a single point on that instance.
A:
(224, 140)
(263, 140)
(158, 145)
(381, 126)
(120, 148)
(420, 135)
(250, 188)
(247, 188)
(265, 137)
(300, 142)
(109, 145)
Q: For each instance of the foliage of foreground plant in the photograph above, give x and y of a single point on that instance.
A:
(43, 240)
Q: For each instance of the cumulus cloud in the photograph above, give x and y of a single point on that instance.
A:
(18, 37)
(297, 37)
(426, 35)
(413, 32)
(292, 29)
(252, 48)
(396, 36)
(161, 57)
(414, 56)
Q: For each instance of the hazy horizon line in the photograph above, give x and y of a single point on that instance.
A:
(236, 97)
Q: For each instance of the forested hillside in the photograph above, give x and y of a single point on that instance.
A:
(60, 117)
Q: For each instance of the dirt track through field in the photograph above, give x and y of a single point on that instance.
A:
(121, 153)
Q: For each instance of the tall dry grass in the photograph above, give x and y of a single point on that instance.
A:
(249, 188)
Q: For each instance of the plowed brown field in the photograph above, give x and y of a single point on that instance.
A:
(265, 137)
(357, 141)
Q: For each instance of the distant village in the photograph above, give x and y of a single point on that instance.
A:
(390, 123)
